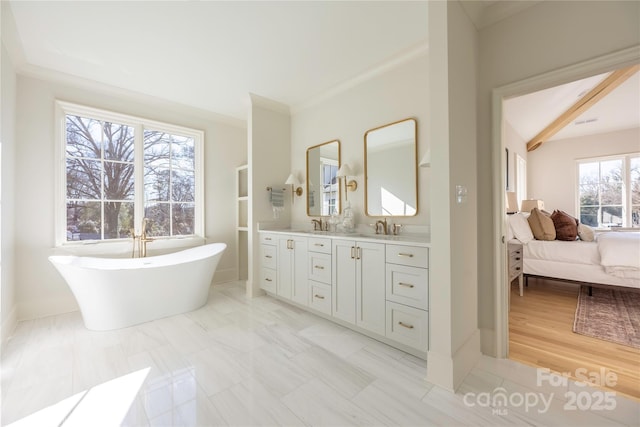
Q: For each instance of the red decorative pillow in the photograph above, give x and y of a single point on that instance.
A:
(566, 226)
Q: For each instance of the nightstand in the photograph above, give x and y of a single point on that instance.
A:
(515, 264)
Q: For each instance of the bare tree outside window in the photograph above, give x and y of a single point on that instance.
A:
(609, 195)
(100, 180)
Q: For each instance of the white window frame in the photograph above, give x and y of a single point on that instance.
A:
(62, 109)
(626, 181)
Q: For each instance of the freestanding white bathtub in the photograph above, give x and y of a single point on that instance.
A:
(116, 293)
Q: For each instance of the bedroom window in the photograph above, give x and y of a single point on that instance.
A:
(120, 169)
(609, 191)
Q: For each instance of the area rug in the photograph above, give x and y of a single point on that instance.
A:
(610, 315)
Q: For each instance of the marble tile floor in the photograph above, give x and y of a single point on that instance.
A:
(246, 362)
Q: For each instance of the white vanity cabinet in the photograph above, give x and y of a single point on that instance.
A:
(407, 295)
(319, 274)
(269, 262)
(378, 286)
(358, 284)
(292, 268)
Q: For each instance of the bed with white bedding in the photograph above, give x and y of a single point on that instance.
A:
(613, 259)
(574, 261)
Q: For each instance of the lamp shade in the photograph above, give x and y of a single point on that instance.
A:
(292, 180)
(528, 205)
(426, 159)
(511, 202)
(344, 171)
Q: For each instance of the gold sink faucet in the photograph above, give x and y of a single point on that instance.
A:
(384, 226)
(317, 224)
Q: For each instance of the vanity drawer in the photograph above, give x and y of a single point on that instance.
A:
(413, 256)
(408, 325)
(269, 256)
(408, 285)
(320, 244)
(268, 279)
(319, 267)
(268, 239)
(320, 297)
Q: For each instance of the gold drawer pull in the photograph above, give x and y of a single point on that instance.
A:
(407, 255)
(319, 267)
(408, 285)
(268, 280)
(318, 244)
(405, 325)
(318, 296)
(268, 256)
(267, 238)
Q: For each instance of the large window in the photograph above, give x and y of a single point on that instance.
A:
(609, 191)
(121, 169)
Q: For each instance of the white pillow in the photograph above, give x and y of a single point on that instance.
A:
(521, 229)
(586, 233)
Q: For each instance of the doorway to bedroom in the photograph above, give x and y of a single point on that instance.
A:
(537, 328)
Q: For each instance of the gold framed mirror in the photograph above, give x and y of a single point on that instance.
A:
(391, 169)
(323, 187)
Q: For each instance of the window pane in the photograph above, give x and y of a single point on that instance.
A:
(611, 193)
(635, 216)
(157, 149)
(183, 186)
(84, 137)
(589, 195)
(183, 219)
(156, 184)
(83, 179)
(589, 173)
(611, 216)
(83, 221)
(118, 142)
(159, 219)
(183, 152)
(589, 216)
(635, 180)
(118, 181)
(118, 220)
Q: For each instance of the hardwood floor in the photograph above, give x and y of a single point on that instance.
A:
(540, 335)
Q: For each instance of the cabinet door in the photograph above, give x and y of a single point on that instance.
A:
(285, 267)
(370, 287)
(299, 285)
(343, 295)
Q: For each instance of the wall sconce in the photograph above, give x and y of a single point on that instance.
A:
(295, 186)
(345, 172)
(528, 205)
(426, 160)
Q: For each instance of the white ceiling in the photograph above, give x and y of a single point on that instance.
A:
(531, 113)
(210, 55)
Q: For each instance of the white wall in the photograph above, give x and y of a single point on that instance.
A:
(40, 290)
(268, 142)
(516, 145)
(397, 94)
(7, 195)
(552, 167)
(454, 340)
(543, 38)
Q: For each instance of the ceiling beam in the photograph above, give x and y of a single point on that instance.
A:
(605, 87)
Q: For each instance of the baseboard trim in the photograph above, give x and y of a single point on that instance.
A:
(488, 342)
(447, 371)
(225, 275)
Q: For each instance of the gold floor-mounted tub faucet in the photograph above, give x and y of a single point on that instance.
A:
(140, 241)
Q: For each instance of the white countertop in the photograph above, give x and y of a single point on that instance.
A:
(412, 239)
